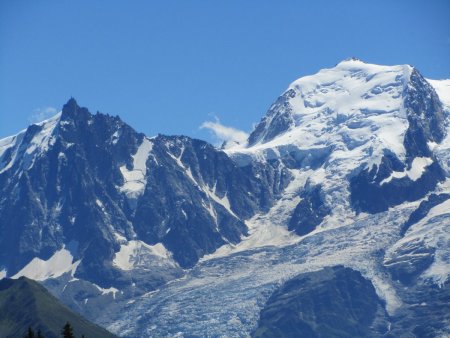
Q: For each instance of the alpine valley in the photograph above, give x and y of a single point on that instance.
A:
(332, 220)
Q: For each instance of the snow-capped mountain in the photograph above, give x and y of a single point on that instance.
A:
(85, 198)
(345, 181)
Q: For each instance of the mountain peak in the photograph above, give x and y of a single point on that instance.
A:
(70, 106)
(352, 88)
(71, 102)
(351, 59)
(72, 111)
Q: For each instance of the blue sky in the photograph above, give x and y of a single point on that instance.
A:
(169, 66)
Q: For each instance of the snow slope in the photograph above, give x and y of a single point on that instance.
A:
(59, 263)
(442, 150)
(137, 253)
(351, 106)
(24, 149)
(442, 88)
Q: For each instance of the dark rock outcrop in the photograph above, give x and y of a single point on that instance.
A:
(333, 302)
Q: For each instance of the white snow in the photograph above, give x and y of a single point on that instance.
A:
(442, 150)
(352, 105)
(120, 238)
(3, 273)
(107, 291)
(442, 88)
(26, 153)
(431, 231)
(99, 203)
(9, 142)
(115, 137)
(223, 201)
(44, 138)
(418, 167)
(60, 263)
(436, 233)
(137, 253)
(136, 179)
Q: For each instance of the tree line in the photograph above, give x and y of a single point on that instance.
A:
(66, 332)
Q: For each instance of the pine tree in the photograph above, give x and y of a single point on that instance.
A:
(39, 334)
(30, 333)
(67, 331)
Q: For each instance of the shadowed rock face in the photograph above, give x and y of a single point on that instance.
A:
(369, 194)
(177, 209)
(410, 261)
(425, 312)
(426, 121)
(423, 209)
(333, 302)
(339, 302)
(425, 116)
(277, 120)
(185, 194)
(309, 213)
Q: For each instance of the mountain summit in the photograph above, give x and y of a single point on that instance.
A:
(344, 181)
(373, 124)
(341, 97)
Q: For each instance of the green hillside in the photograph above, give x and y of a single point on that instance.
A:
(25, 303)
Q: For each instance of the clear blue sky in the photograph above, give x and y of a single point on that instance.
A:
(167, 66)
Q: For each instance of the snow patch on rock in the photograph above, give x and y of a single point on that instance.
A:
(107, 291)
(136, 253)
(442, 88)
(59, 263)
(418, 167)
(136, 178)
